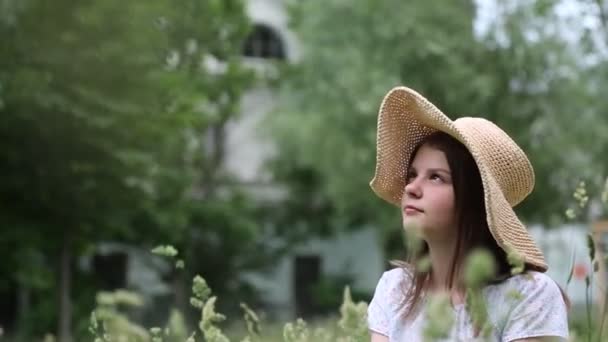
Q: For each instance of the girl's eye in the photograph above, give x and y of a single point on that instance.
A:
(410, 177)
(436, 177)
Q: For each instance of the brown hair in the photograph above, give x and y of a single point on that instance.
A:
(472, 226)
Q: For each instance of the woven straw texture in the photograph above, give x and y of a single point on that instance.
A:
(406, 118)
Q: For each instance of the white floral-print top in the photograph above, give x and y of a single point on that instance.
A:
(538, 310)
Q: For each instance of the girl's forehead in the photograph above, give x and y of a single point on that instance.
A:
(429, 155)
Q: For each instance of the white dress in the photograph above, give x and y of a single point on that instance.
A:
(539, 310)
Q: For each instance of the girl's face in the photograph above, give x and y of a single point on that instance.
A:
(428, 199)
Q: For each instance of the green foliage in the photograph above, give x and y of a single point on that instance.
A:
(105, 115)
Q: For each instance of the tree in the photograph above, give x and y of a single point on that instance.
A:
(81, 123)
(104, 111)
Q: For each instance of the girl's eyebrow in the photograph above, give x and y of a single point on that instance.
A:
(438, 169)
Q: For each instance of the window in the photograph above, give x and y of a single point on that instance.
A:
(111, 270)
(307, 274)
(264, 42)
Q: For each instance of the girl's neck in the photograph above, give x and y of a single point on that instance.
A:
(457, 294)
(442, 258)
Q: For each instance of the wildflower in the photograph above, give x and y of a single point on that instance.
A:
(570, 214)
(200, 288)
(176, 327)
(105, 298)
(478, 309)
(580, 194)
(208, 320)
(515, 259)
(441, 318)
(128, 298)
(352, 320)
(197, 303)
(424, 264)
(297, 332)
(321, 334)
(191, 338)
(413, 241)
(480, 267)
(580, 271)
(591, 246)
(49, 338)
(605, 192)
(93, 324)
(156, 334)
(252, 320)
(514, 295)
(168, 251)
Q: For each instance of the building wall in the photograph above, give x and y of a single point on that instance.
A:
(563, 247)
(357, 253)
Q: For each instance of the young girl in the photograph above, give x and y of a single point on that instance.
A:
(456, 183)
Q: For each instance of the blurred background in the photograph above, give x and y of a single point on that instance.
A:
(242, 132)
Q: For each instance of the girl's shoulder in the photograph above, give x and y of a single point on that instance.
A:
(388, 300)
(398, 274)
(530, 286)
(526, 284)
(398, 277)
(528, 304)
(393, 285)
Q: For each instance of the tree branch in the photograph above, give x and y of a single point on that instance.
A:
(603, 17)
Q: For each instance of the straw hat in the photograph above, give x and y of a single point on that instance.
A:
(406, 118)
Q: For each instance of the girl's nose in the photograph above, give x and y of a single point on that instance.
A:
(412, 189)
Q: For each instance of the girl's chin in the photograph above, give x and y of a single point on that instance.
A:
(412, 225)
(411, 220)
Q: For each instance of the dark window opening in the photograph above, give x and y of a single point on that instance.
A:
(307, 273)
(8, 306)
(111, 270)
(264, 42)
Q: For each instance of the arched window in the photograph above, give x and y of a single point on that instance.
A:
(264, 42)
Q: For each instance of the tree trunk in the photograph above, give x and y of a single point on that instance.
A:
(23, 306)
(216, 153)
(65, 305)
(180, 296)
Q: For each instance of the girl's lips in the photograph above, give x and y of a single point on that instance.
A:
(411, 210)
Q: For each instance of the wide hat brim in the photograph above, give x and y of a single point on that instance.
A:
(406, 118)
